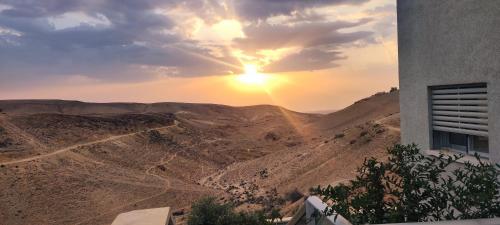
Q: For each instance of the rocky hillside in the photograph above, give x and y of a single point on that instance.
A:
(67, 162)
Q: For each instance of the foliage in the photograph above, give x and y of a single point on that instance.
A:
(411, 187)
(5, 142)
(294, 195)
(264, 173)
(155, 136)
(339, 135)
(208, 212)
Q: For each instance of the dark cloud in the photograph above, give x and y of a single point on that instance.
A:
(34, 8)
(262, 9)
(134, 38)
(305, 60)
(43, 8)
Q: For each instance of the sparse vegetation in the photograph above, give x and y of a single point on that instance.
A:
(294, 195)
(162, 168)
(292, 143)
(271, 136)
(339, 135)
(250, 193)
(411, 187)
(208, 212)
(271, 202)
(179, 212)
(6, 142)
(393, 89)
(264, 173)
(155, 136)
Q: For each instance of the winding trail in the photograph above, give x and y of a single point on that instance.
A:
(148, 171)
(393, 128)
(167, 187)
(162, 162)
(69, 148)
(215, 180)
(382, 121)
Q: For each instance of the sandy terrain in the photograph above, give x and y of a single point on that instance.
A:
(66, 162)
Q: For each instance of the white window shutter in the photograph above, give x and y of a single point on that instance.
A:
(460, 109)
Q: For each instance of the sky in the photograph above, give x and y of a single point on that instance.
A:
(305, 55)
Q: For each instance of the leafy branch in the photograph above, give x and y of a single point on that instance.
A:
(411, 187)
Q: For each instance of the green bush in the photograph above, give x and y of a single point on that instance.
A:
(411, 187)
(208, 212)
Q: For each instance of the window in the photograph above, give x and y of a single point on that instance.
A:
(480, 144)
(458, 141)
(460, 118)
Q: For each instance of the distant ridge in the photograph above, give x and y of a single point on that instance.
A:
(34, 106)
(325, 111)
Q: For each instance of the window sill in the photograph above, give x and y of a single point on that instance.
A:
(466, 158)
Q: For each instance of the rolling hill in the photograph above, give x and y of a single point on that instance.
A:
(70, 162)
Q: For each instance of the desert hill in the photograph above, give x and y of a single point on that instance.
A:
(70, 162)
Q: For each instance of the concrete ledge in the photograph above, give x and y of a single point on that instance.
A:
(156, 216)
(465, 158)
(491, 221)
(312, 211)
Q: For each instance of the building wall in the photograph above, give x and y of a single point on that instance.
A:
(447, 42)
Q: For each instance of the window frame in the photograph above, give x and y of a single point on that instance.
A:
(469, 148)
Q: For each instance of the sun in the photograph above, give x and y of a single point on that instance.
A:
(254, 81)
(252, 77)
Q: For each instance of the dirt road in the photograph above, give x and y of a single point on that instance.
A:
(62, 150)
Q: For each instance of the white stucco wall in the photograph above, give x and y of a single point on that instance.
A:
(447, 42)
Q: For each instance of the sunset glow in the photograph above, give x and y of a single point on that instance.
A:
(332, 53)
(252, 77)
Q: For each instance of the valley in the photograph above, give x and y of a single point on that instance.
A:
(67, 162)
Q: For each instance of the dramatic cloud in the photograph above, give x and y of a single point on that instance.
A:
(309, 36)
(42, 8)
(266, 36)
(262, 9)
(136, 37)
(124, 40)
(305, 60)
